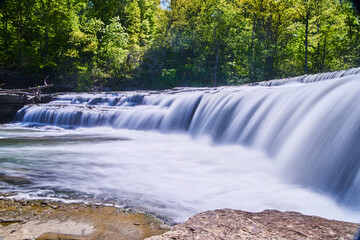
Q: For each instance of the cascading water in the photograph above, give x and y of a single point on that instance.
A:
(309, 128)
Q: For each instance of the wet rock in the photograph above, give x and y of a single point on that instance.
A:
(46, 98)
(43, 219)
(269, 224)
(14, 180)
(10, 103)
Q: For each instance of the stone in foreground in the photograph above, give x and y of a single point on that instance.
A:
(269, 224)
(49, 220)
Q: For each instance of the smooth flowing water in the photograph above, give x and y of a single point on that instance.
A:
(286, 144)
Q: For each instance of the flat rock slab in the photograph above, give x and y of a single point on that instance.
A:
(269, 224)
(31, 229)
(40, 220)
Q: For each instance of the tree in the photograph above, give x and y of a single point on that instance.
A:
(139, 44)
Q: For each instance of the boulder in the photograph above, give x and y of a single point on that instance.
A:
(269, 224)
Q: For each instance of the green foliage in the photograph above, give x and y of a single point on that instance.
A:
(97, 44)
(167, 79)
(104, 49)
(234, 42)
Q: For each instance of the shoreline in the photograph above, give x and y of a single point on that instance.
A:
(45, 219)
(268, 224)
(53, 220)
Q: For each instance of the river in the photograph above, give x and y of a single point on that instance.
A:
(288, 145)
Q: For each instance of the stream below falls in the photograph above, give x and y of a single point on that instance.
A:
(290, 144)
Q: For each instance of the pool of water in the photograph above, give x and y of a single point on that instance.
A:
(172, 176)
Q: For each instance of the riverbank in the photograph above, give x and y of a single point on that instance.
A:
(268, 224)
(10, 103)
(50, 220)
(42, 219)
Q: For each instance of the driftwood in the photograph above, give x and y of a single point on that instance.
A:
(21, 91)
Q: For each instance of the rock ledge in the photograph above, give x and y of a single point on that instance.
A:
(10, 103)
(50, 220)
(269, 224)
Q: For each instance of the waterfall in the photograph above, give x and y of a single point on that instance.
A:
(309, 125)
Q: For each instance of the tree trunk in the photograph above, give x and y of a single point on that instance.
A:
(252, 51)
(20, 32)
(306, 41)
(323, 56)
(318, 57)
(269, 65)
(216, 63)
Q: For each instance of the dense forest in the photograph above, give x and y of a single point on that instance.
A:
(148, 44)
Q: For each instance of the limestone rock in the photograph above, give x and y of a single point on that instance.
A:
(269, 224)
(11, 103)
(50, 220)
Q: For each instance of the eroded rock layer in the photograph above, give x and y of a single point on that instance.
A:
(41, 219)
(269, 224)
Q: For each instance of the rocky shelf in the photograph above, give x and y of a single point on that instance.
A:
(10, 103)
(269, 224)
(42, 219)
(52, 220)
(12, 100)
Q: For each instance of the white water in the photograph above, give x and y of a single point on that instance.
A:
(288, 147)
(172, 175)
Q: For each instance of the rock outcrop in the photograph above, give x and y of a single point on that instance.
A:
(50, 220)
(41, 219)
(10, 103)
(269, 224)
